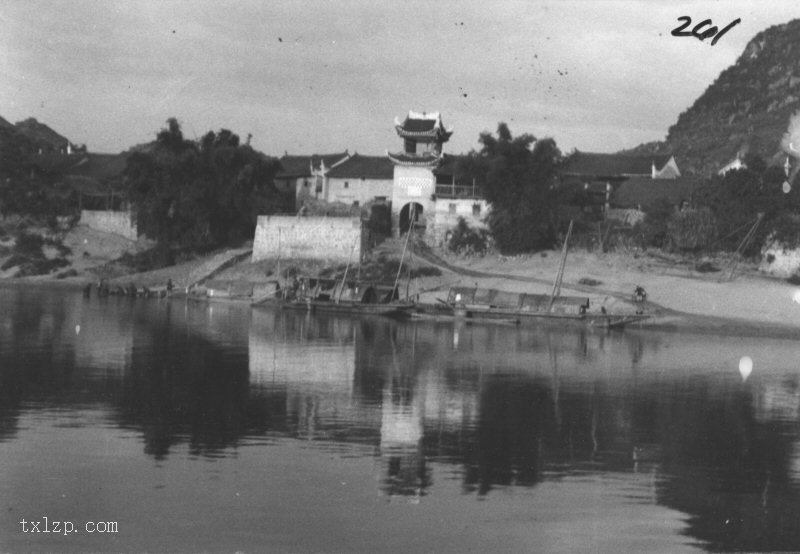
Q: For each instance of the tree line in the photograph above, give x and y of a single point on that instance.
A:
(198, 194)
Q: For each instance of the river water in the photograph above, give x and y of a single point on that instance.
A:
(180, 426)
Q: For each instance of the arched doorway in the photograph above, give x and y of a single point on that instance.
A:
(409, 213)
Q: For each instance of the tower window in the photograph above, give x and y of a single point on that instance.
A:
(476, 210)
(347, 184)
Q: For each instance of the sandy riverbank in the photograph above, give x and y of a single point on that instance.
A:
(679, 296)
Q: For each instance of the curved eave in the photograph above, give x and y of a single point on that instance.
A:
(435, 133)
(432, 161)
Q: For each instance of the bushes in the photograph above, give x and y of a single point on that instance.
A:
(29, 245)
(465, 240)
(692, 229)
(653, 228)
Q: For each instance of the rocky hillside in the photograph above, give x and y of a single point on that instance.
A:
(746, 109)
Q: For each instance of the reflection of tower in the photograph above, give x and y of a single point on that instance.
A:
(414, 182)
(402, 458)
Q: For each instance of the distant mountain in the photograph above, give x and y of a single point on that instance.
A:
(746, 110)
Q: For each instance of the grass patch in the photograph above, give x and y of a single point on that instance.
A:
(41, 266)
(29, 245)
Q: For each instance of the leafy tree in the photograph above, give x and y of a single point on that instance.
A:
(739, 196)
(517, 175)
(201, 193)
(654, 227)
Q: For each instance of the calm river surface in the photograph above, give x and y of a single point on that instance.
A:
(192, 427)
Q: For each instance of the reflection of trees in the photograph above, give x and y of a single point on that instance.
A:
(508, 405)
(727, 470)
(185, 386)
(35, 360)
(514, 418)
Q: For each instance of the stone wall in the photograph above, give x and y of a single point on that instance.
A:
(448, 210)
(316, 238)
(118, 223)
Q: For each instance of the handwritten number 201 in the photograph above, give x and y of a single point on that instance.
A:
(698, 31)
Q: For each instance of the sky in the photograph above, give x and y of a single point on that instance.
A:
(326, 76)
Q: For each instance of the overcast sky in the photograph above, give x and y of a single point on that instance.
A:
(317, 77)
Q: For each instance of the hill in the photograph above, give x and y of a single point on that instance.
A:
(745, 110)
(42, 136)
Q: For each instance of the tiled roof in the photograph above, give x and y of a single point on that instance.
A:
(295, 166)
(419, 125)
(424, 160)
(300, 166)
(644, 191)
(366, 167)
(100, 166)
(423, 125)
(329, 159)
(613, 165)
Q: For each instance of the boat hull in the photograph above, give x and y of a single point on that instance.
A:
(392, 309)
(506, 315)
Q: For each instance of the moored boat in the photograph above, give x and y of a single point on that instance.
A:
(333, 296)
(477, 304)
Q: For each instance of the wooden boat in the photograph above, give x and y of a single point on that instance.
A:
(476, 304)
(491, 305)
(333, 296)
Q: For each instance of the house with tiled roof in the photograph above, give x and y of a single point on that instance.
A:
(98, 179)
(618, 167)
(642, 193)
(361, 179)
(304, 176)
(601, 174)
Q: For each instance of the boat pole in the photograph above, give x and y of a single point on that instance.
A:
(346, 268)
(742, 245)
(405, 247)
(560, 276)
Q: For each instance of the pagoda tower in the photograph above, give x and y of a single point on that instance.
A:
(414, 186)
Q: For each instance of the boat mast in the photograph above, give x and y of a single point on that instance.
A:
(560, 276)
(346, 268)
(405, 247)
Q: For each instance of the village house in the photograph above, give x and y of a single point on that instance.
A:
(643, 193)
(601, 174)
(304, 176)
(360, 179)
(419, 184)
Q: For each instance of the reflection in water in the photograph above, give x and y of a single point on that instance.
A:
(491, 407)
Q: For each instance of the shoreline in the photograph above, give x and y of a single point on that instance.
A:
(663, 319)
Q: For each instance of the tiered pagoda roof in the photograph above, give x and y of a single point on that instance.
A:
(422, 126)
